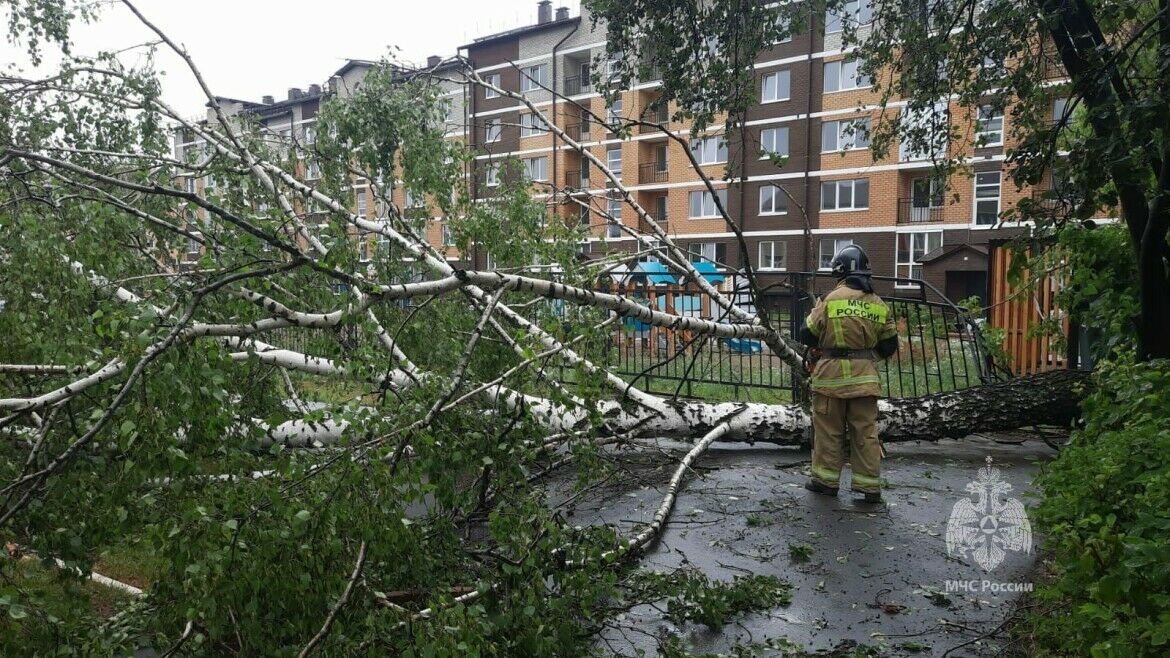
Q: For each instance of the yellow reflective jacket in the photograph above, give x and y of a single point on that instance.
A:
(849, 319)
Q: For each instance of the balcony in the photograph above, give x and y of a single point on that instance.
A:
(577, 84)
(1056, 203)
(653, 172)
(911, 211)
(578, 131)
(576, 178)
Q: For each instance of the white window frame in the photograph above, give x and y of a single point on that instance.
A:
(768, 139)
(843, 140)
(858, 12)
(529, 126)
(445, 235)
(772, 192)
(976, 199)
(613, 220)
(769, 247)
(701, 254)
(984, 115)
(838, 245)
(609, 160)
(312, 169)
(837, 186)
(492, 175)
(359, 202)
(494, 80)
(906, 262)
(491, 126)
(776, 77)
(613, 114)
(540, 163)
(713, 147)
(534, 78)
(706, 201)
(843, 66)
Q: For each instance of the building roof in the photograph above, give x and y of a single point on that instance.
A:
(520, 31)
(946, 251)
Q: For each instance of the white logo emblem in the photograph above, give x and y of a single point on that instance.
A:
(988, 527)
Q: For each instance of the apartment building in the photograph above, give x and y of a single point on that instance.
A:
(794, 213)
(828, 184)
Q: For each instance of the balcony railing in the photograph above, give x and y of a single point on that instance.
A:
(653, 172)
(911, 211)
(1056, 203)
(577, 84)
(1052, 67)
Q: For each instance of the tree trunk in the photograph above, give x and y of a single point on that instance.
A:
(1045, 399)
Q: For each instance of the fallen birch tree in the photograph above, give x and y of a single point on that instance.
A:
(187, 340)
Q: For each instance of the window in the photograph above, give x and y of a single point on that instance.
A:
(613, 208)
(773, 256)
(776, 87)
(910, 248)
(536, 168)
(528, 125)
(923, 133)
(854, 13)
(773, 200)
(992, 67)
(534, 77)
(712, 252)
(844, 135)
(844, 74)
(613, 64)
(492, 175)
(310, 135)
(493, 80)
(1059, 106)
(774, 141)
(702, 203)
(190, 185)
(613, 114)
(987, 198)
(845, 194)
(415, 199)
(926, 193)
(448, 239)
(360, 204)
(989, 126)
(829, 248)
(312, 170)
(493, 130)
(613, 160)
(709, 150)
(584, 214)
(364, 245)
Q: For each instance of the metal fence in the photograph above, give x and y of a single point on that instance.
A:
(940, 346)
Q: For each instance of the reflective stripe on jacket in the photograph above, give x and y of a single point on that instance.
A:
(849, 319)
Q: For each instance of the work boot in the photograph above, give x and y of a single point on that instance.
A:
(818, 488)
(873, 497)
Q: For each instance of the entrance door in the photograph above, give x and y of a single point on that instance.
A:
(961, 285)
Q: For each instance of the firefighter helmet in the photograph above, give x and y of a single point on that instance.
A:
(850, 260)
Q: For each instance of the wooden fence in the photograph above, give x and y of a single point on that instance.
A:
(1020, 310)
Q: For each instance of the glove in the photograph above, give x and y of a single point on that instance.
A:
(810, 359)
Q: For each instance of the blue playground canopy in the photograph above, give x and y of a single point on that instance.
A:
(709, 271)
(655, 272)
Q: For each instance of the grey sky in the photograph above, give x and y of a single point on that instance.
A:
(248, 48)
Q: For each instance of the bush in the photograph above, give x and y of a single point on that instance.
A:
(1106, 517)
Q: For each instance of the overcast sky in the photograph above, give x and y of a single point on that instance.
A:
(248, 48)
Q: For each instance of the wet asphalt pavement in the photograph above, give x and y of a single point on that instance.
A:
(875, 576)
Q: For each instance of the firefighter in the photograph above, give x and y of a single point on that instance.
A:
(848, 332)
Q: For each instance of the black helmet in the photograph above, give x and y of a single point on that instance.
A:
(849, 261)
